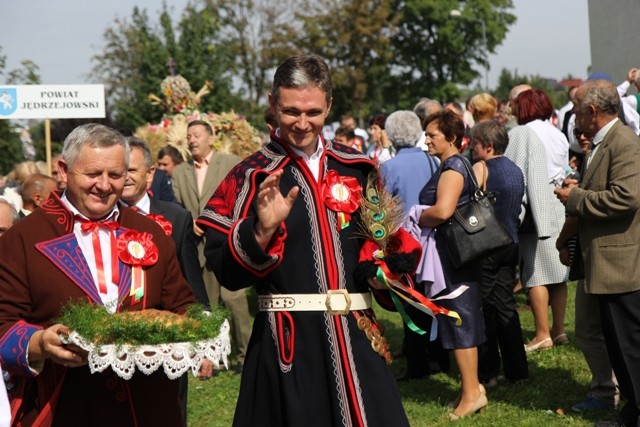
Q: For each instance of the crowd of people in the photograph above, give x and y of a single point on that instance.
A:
(285, 221)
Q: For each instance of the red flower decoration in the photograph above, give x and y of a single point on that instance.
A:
(341, 193)
(162, 222)
(137, 249)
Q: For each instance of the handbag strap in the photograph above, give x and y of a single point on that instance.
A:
(484, 176)
(477, 192)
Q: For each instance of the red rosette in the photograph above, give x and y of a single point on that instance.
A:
(341, 193)
(167, 227)
(137, 249)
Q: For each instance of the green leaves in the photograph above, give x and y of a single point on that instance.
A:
(384, 54)
(96, 324)
(136, 56)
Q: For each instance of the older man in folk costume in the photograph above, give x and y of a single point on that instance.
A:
(284, 221)
(81, 245)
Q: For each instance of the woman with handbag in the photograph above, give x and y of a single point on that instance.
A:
(500, 176)
(541, 151)
(450, 187)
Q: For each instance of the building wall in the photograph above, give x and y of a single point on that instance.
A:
(615, 37)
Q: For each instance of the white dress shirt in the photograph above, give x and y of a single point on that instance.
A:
(629, 105)
(597, 139)
(110, 298)
(312, 161)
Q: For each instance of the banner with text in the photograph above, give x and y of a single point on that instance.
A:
(52, 102)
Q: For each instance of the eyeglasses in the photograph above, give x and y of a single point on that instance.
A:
(577, 133)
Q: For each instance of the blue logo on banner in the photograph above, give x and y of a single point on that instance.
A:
(8, 101)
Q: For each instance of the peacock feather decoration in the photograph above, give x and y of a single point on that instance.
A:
(382, 213)
(391, 254)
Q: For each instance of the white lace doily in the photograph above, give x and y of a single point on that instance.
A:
(175, 358)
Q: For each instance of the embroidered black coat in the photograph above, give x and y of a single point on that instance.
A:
(302, 368)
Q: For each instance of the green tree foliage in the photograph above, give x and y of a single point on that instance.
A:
(259, 35)
(355, 37)
(386, 54)
(27, 74)
(131, 65)
(201, 56)
(508, 80)
(137, 57)
(9, 147)
(436, 51)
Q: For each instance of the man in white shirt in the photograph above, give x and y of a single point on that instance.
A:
(630, 102)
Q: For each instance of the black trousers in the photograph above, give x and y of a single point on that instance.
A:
(620, 315)
(501, 320)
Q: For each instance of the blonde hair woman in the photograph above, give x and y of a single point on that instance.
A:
(483, 107)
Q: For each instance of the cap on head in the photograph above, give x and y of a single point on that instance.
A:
(600, 75)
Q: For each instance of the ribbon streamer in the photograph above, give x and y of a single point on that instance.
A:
(416, 299)
(94, 227)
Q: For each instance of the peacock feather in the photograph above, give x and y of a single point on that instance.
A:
(382, 213)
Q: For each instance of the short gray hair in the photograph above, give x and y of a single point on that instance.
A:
(602, 94)
(403, 128)
(303, 71)
(425, 107)
(15, 217)
(139, 143)
(94, 135)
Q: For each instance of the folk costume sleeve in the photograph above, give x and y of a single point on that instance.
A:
(229, 220)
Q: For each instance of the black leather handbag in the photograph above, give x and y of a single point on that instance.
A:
(474, 231)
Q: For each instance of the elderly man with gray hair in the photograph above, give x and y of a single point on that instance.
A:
(404, 176)
(424, 108)
(8, 215)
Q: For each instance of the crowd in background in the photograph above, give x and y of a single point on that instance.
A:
(520, 149)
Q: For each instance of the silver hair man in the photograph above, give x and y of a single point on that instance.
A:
(302, 71)
(97, 136)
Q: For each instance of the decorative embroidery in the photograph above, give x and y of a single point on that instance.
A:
(13, 348)
(54, 206)
(65, 254)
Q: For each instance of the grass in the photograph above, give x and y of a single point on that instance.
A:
(559, 378)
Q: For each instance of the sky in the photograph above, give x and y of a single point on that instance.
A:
(550, 37)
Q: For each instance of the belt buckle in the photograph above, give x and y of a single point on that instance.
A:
(347, 299)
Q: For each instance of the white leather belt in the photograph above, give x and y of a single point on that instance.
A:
(337, 301)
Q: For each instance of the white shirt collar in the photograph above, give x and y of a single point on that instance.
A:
(143, 204)
(312, 161)
(113, 216)
(597, 139)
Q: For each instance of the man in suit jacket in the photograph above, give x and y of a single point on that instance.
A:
(606, 204)
(174, 220)
(161, 187)
(180, 223)
(64, 251)
(193, 185)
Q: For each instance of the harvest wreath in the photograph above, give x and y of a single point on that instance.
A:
(147, 339)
